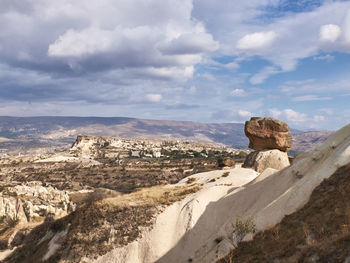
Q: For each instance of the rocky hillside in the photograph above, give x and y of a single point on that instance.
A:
(203, 217)
(318, 232)
(38, 134)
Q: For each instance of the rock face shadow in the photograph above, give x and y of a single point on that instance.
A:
(215, 224)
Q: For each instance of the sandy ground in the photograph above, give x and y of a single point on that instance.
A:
(200, 226)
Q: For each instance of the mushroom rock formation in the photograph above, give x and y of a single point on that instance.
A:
(268, 133)
(271, 139)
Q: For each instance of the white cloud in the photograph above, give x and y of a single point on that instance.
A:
(284, 40)
(347, 29)
(294, 116)
(325, 57)
(256, 41)
(189, 44)
(297, 119)
(310, 98)
(330, 32)
(231, 65)
(147, 36)
(266, 72)
(288, 114)
(244, 114)
(154, 97)
(75, 44)
(238, 93)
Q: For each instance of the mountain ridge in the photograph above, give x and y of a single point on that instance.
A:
(28, 133)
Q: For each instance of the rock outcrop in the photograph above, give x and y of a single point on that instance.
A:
(268, 133)
(271, 139)
(226, 162)
(261, 160)
(26, 202)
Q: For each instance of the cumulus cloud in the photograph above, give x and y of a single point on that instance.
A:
(75, 44)
(154, 97)
(283, 41)
(288, 115)
(256, 41)
(189, 44)
(238, 93)
(118, 54)
(76, 38)
(297, 119)
(244, 114)
(329, 32)
(294, 116)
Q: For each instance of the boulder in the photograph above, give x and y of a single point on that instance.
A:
(268, 133)
(261, 160)
(226, 162)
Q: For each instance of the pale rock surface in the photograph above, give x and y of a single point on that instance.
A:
(261, 160)
(266, 173)
(191, 228)
(28, 201)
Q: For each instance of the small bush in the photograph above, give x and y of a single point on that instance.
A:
(190, 180)
(225, 174)
(242, 228)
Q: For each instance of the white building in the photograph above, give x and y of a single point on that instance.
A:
(135, 153)
(157, 154)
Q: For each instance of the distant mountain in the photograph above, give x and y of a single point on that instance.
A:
(23, 134)
(304, 141)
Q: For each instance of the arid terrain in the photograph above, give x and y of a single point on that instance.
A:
(47, 134)
(113, 199)
(167, 131)
(38, 189)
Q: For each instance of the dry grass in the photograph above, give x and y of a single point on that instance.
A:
(153, 196)
(102, 224)
(319, 232)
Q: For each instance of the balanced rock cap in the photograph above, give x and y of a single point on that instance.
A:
(268, 133)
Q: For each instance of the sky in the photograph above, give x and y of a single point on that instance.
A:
(192, 60)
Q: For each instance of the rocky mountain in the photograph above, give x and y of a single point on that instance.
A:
(37, 134)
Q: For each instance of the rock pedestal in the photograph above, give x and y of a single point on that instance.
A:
(268, 133)
(271, 139)
(260, 160)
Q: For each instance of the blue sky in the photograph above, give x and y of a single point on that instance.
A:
(195, 60)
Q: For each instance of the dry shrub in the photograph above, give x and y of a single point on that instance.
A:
(241, 228)
(225, 174)
(191, 180)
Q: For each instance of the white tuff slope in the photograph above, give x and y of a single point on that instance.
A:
(192, 227)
